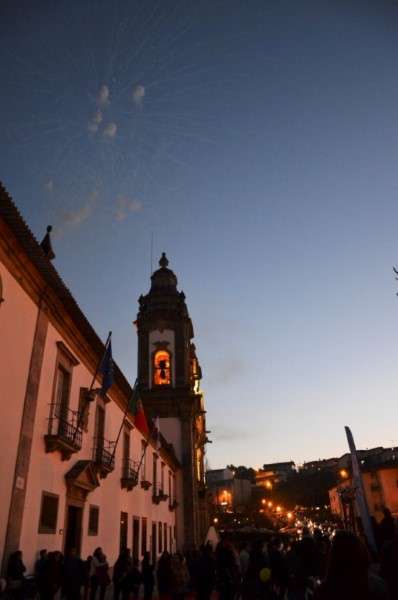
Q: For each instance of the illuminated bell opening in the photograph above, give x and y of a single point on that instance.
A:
(162, 366)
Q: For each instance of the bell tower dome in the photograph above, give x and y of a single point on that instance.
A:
(169, 377)
(164, 333)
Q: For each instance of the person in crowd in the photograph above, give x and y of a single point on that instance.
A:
(39, 568)
(179, 577)
(192, 561)
(386, 528)
(228, 576)
(132, 581)
(348, 576)
(163, 576)
(52, 575)
(121, 567)
(73, 576)
(205, 573)
(278, 566)
(99, 575)
(389, 566)
(244, 559)
(257, 581)
(148, 578)
(86, 577)
(16, 575)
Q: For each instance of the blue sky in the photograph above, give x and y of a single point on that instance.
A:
(258, 144)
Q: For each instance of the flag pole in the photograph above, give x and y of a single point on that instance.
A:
(120, 429)
(99, 363)
(86, 396)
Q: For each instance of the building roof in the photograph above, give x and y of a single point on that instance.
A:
(37, 255)
(279, 466)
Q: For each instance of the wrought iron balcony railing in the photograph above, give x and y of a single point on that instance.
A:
(103, 455)
(172, 503)
(64, 431)
(129, 474)
(158, 493)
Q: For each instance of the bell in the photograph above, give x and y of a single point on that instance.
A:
(162, 374)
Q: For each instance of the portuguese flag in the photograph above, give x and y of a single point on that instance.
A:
(136, 407)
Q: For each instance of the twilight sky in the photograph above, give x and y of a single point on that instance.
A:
(257, 143)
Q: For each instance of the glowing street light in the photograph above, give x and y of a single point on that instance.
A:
(269, 504)
(278, 509)
(263, 501)
(343, 474)
(289, 516)
(215, 520)
(268, 484)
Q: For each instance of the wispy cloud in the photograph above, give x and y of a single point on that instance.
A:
(138, 94)
(98, 117)
(49, 186)
(223, 433)
(110, 130)
(92, 127)
(103, 97)
(74, 218)
(125, 205)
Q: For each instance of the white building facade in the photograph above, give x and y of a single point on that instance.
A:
(64, 482)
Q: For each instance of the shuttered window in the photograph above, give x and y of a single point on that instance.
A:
(48, 513)
(93, 520)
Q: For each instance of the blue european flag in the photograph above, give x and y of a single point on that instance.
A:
(106, 369)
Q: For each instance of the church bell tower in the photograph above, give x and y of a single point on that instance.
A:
(169, 377)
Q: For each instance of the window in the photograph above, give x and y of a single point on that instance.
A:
(160, 537)
(48, 513)
(136, 537)
(93, 520)
(162, 368)
(62, 392)
(165, 535)
(84, 407)
(126, 454)
(143, 535)
(170, 540)
(155, 471)
(123, 530)
(143, 464)
(1, 291)
(63, 376)
(170, 489)
(162, 477)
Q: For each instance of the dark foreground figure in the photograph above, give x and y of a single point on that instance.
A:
(312, 568)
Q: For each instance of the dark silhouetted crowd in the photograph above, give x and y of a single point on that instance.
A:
(315, 566)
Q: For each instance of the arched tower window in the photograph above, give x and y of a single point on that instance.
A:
(162, 367)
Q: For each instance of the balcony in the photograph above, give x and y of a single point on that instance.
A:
(129, 478)
(103, 456)
(172, 504)
(145, 484)
(64, 432)
(158, 494)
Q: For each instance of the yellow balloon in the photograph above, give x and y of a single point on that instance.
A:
(265, 574)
